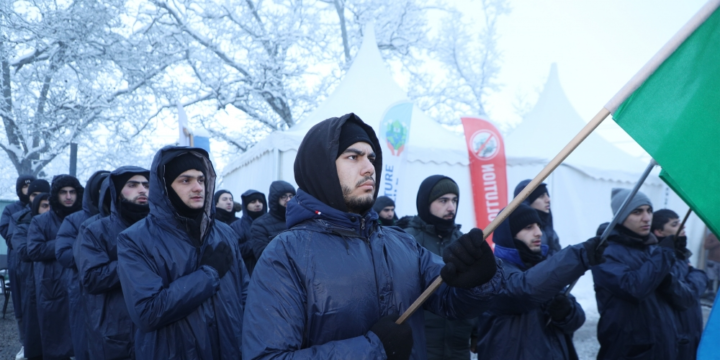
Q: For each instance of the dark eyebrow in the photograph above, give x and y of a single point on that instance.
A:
(137, 182)
(354, 151)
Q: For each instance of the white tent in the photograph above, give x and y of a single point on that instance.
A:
(580, 187)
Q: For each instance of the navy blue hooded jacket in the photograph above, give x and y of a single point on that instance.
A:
(321, 285)
(30, 324)
(52, 297)
(182, 310)
(266, 227)
(636, 321)
(516, 326)
(242, 228)
(66, 237)
(11, 209)
(549, 236)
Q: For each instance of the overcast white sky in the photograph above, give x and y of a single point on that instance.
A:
(597, 44)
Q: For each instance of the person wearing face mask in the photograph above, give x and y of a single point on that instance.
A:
(633, 285)
(385, 208)
(182, 277)
(540, 321)
(66, 237)
(66, 195)
(224, 207)
(266, 227)
(254, 205)
(539, 200)
(25, 281)
(111, 330)
(434, 228)
(333, 285)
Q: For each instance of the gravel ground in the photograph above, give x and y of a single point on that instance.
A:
(9, 340)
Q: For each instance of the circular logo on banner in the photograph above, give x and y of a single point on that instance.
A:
(484, 144)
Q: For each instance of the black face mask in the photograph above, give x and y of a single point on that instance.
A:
(225, 216)
(131, 212)
(528, 257)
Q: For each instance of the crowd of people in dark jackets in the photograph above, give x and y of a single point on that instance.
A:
(154, 264)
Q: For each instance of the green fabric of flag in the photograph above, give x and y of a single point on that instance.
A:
(675, 116)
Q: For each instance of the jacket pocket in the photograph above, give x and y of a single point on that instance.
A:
(116, 348)
(51, 289)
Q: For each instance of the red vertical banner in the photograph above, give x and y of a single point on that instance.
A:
(488, 170)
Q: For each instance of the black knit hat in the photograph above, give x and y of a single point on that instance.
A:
(523, 216)
(444, 186)
(181, 164)
(21, 181)
(662, 217)
(120, 180)
(39, 185)
(351, 133)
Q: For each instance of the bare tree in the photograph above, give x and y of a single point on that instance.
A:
(69, 67)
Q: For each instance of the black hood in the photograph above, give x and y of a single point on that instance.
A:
(244, 198)
(92, 197)
(315, 171)
(105, 198)
(422, 202)
(59, 182)
(277, 189)
(115, 204)
(21, 181)
(35, 206)
(161, 207)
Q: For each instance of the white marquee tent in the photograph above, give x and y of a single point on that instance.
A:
(580, 187)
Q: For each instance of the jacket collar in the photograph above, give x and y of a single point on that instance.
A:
(304, 207)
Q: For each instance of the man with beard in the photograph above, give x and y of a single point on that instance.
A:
(632, 287)
(334, 284)
(66, 196)
(66, 237)
(691, 283)
(32, 344)
(538, 324)
(24, 287)
(21, 189)
(266, 227)
(181, 272)
(111, 329)
(434, 228)
(224, 207)
(539, 200)
(253, 206)
(385, 208)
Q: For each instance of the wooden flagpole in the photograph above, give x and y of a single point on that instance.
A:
(544, 173)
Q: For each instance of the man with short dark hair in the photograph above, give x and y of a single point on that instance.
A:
(691, 283)
(66, 236)
(385, 207)
(182, 276)
(333, 285)
(254, 205)
(97, 265)
(539, 200)
(632, 287)
(66, 195)
(266, 227)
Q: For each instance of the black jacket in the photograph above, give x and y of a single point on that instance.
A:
(266, 227)
(242, 228)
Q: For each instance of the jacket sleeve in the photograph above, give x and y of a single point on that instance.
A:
(98, 272)
(633, 284)
(573, 321)
(19, 240)
(5, 222)
(276, 292)
(259, 238)
(684, 286)
(539, 284)
(152, 304)
(245, 248)
(64, 243)
(39, 248)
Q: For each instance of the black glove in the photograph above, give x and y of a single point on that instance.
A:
(397, 339)
(560, 307)
(595, 250)
(469, 261)
(219, 258)
(681, 247)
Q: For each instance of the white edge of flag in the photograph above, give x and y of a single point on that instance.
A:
(660, 57)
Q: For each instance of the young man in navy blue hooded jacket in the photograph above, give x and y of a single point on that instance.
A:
(111, 330)
(539, 200)
(633, 285)
(333, 284)
(181, 272)
(538, 324)
(254, 205)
